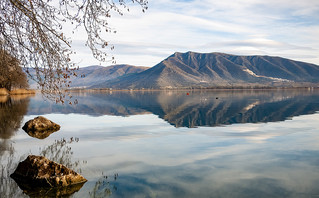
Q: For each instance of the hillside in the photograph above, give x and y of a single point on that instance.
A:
(191, 69)
(97, 74)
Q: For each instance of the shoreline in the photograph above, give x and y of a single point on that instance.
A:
(5, 92)
(192, 89)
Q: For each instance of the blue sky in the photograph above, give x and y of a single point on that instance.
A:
(287, 28)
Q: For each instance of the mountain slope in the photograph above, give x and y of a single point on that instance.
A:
(217, 69)
(92, 75)
(97, 74)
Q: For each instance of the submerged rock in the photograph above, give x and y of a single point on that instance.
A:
(40, 127)
(38, 171)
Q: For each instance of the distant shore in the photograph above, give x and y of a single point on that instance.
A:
(191, 89)
(5, 92)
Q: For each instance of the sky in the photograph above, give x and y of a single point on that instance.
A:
(286, 28)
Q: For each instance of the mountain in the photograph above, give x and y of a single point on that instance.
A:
(96, 74)
(92, 75)
(184, 70)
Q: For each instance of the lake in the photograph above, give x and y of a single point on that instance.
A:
(231, 143)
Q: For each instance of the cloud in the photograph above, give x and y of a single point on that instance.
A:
(285, 28)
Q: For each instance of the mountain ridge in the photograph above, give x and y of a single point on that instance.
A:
(200, 70)
(94, 74)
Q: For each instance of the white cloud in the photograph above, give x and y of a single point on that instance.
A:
(282, 28)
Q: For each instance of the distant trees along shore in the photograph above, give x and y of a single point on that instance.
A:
(11, 74)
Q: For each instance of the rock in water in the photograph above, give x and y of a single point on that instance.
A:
(40, 127)
(38, 171)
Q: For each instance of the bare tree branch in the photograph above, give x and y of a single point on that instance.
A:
(32, 32)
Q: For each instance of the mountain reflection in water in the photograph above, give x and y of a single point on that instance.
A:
(197, 108)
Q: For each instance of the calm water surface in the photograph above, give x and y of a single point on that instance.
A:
(170, 144)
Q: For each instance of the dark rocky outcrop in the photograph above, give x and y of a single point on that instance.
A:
(40, 172)
(40, 127)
